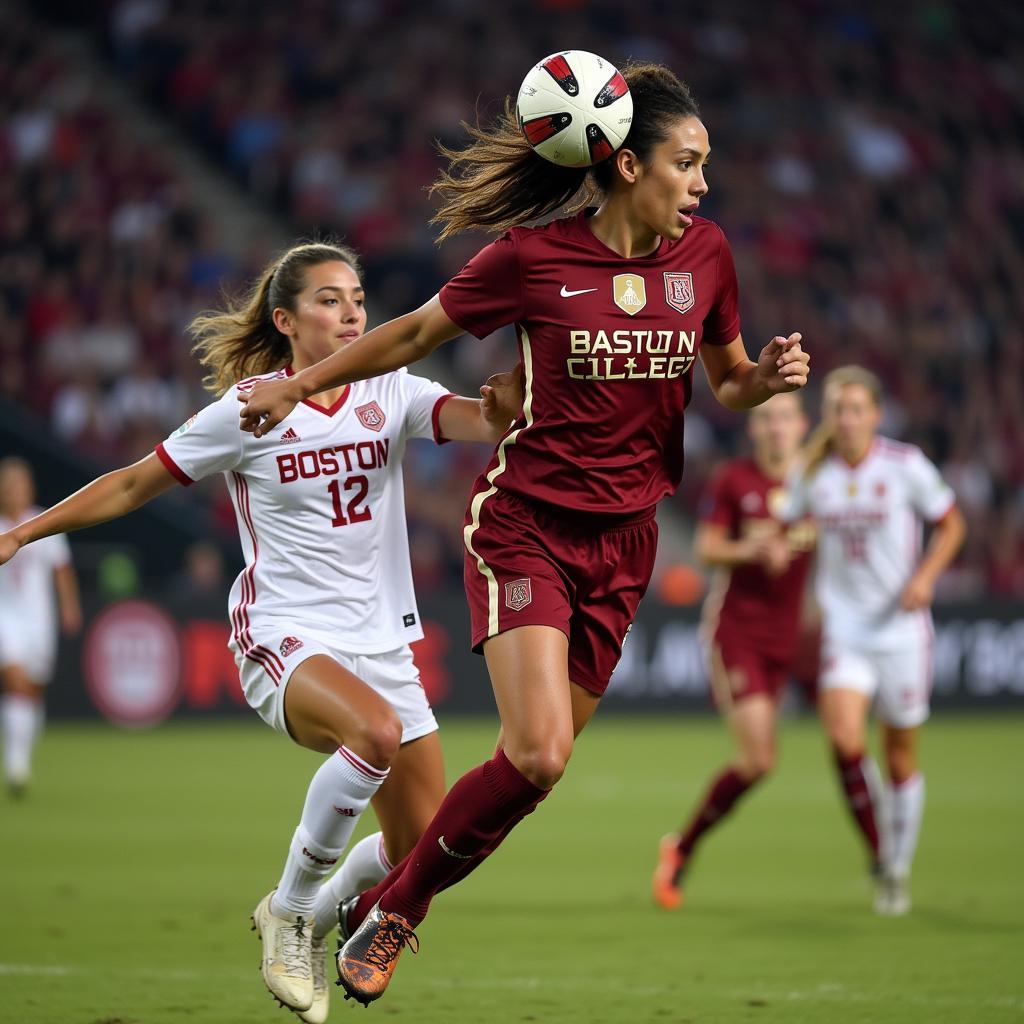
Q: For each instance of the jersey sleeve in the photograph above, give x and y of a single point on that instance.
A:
(718, 502)
(487, 293)
(722, 323)
(930, 496)
(796, 497)
(207, 443)
(424, 400)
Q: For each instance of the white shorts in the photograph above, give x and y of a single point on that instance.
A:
(265, 672)
(24, 646)
(900, 680)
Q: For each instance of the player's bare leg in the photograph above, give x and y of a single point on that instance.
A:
(529, 674)
(752, 722)
(21, 712)
(329, 710)
(904, 807)
(844, 713)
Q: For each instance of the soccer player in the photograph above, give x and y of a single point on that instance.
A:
(323, 613)
(613, 307)
(29, 623)
(752, 617)
(870, 497)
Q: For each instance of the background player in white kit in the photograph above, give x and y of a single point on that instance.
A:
(324, 611)
(870, 497)
(38, 596)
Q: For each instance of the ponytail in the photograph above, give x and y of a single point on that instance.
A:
(243, 341)
(498, 181)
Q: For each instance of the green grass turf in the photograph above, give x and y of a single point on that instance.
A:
(127, 877)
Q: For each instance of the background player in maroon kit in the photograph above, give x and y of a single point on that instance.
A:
(612, 308)
(752, 617)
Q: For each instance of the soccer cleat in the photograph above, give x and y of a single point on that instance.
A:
(892, 896)
(667, 884)
(286, 965)
(345, 907)
(317, 1012)
(367, 961)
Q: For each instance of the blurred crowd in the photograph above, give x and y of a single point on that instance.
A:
(868, 168)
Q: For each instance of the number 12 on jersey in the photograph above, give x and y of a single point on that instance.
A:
(361, 486)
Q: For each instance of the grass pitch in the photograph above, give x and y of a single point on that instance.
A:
(127, 878)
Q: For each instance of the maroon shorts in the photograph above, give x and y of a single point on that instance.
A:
(528, 564)
(740, 666)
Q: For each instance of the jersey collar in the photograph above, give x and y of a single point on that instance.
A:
(327, 410)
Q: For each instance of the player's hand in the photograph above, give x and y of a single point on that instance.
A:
(501, 399)
(783, 365)
(9, 546)
(772, 553)
(267, 404)
(917, 594)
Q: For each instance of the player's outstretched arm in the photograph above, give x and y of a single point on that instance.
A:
(946, 540)
(501, 401)
(716, 549)
(740, 383)
(107, 497)
(389, 347)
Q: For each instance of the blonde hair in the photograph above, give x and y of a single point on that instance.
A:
(242, 341)
(822, 440)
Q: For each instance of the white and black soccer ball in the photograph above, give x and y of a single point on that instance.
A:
(574, 108)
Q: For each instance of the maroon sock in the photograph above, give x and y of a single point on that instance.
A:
(718, 801)
(478, 812)
(858, 797)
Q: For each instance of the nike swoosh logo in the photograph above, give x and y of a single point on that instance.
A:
(447, 849)
(566, 294)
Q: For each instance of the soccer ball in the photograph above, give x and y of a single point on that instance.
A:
(574, 108)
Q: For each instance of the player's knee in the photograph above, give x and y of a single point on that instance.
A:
(376, 737)
(542, 765)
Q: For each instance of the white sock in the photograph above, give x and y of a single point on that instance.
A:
(337, 796)
(21, 724)
(366, 864)
(906, 808)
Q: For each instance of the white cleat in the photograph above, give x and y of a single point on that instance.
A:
(317, 1013)
(286, 965)
(892, 896)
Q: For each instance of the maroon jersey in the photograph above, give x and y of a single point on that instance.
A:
(756, 605)
(608, 346)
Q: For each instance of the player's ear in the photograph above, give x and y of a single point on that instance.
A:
(283, 320)
(627, 163)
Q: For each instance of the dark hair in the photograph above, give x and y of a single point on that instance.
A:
(498, 181)
(242, 341)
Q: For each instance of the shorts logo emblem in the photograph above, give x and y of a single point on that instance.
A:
(518, 594)
(679, 291)
(371, 416)
(629, 292)
(289, 645)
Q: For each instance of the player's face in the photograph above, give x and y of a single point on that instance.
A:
(667, 193)
(777, 427)
(854, 417)
(329, 312)
(16, 490)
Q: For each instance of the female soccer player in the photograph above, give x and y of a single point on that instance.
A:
(869, 497)
(612, 308)
(752, 617)
(29, 623)
(324, 611)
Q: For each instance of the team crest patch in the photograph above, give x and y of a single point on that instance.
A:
(629, 292)
(371, 416)
(518, 594)
(289, 645)
(679, 291)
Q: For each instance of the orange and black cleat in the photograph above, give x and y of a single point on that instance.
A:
(667, 884)
(367, 961)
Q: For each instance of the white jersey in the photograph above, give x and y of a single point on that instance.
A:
(321, 512)
(870, 521)
(28, 603)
